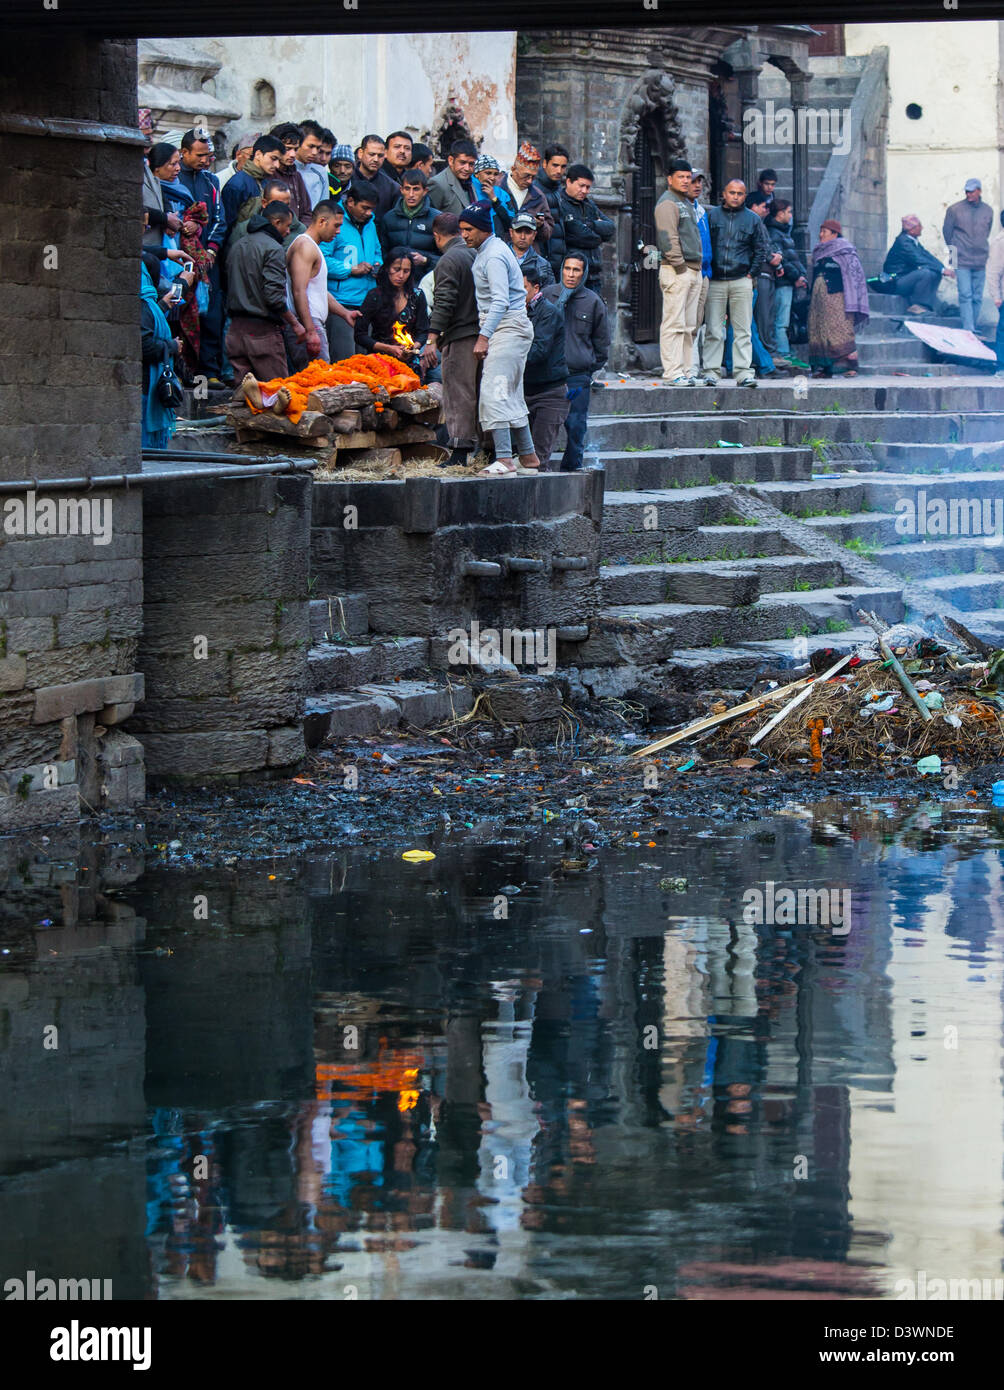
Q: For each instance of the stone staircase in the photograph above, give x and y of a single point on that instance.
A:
(728, 561)
(360, 684)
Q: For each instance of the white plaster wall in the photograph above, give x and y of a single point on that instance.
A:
(374, 82)
(952, 70)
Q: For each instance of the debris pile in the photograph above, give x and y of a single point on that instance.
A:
(907, 699)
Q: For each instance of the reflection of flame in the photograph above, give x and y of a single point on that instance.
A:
(403, 338)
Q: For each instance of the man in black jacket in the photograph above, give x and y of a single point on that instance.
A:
(409, 221)
(256, 297)
(546, 372)
(587, 343)
(453, 330)
(737, 257)
(551, 180)
(370, 157)
(522, 238)
(585, 228)
(793, 273)
(918, 273)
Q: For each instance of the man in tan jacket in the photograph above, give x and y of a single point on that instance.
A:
(679, 241)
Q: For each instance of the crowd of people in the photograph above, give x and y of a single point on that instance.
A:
(487, 278)
(302, 248)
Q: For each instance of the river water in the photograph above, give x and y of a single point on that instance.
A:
(505, 1073)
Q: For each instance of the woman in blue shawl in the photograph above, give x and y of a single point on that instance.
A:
(158, 348)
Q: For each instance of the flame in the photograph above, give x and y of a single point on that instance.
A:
(403, 338)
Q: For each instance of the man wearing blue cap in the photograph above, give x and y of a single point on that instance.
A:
(505, 339)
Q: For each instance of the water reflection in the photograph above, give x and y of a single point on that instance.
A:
(353, 1077)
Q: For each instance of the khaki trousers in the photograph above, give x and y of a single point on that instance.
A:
(735, 299)
(695, 361)
(681, 292)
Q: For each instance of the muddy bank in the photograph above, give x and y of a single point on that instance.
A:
(405, 793)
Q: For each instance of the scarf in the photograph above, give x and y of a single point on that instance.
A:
(855, 287)
(197, 254)
(252, 205)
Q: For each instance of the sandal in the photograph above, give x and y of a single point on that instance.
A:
(529, 463)
(498, 469)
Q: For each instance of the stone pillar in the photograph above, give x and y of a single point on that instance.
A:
(800, 162)
(747, 79)
(70, 600)
(225, 625)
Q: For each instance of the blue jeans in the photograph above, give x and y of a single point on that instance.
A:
(999, 344)
(782, 315)
(970, 284)
(577, 388)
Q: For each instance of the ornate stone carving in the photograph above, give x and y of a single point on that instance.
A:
(654, 95)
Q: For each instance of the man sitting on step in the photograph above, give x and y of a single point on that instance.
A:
(918, 273)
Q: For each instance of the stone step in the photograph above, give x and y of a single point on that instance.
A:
(925, 559)
(888, 352)
(955, 392)
(332, 666)
(736, 667)
(970, 592)
(884, 490)
(649, 512)
(766, 428)
(371, 708)
(816, 498)
(928, 457)
(674, 583)
(722, 542)
(345, 615)
(775, 615)
(644, 468)
(869, 529)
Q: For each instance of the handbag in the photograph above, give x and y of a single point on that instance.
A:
(169, 390)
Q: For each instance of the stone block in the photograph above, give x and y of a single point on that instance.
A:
(58, 701)
(524, 701)
(13, 673)
(60, 806)
(286, 747)
(205, 754)
(119, 749)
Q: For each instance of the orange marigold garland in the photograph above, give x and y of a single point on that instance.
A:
(371, 369)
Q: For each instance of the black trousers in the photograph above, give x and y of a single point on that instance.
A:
(919, 286)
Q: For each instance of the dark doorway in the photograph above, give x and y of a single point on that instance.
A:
(646, 297)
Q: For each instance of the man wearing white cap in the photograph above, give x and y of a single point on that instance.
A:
(967, 228)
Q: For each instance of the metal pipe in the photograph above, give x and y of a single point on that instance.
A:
(66, 129)
(128, 480)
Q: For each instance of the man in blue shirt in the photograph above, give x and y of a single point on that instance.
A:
(504, 341)
(700, 212)
(353, 259)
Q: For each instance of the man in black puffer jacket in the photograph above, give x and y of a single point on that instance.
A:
(587, 343)
(546, 371)
(409, 221)
(584, 226)
(738, 246)
(550, 181)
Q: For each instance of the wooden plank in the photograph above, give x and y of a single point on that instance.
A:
(747, 707)
(415, 402)
(358, 439)
(330, 400)
(802, 695)
(346, 421)
(409, 434)
(309, 425)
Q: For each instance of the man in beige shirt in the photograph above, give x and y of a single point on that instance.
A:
(678, 237)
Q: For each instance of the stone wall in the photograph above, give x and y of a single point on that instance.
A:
(410, 542)
(70, 610)
(226, 625)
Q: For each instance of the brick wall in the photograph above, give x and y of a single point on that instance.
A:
(70, 610)
(226, 560)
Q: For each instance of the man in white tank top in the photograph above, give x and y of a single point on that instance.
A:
(307, 288)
